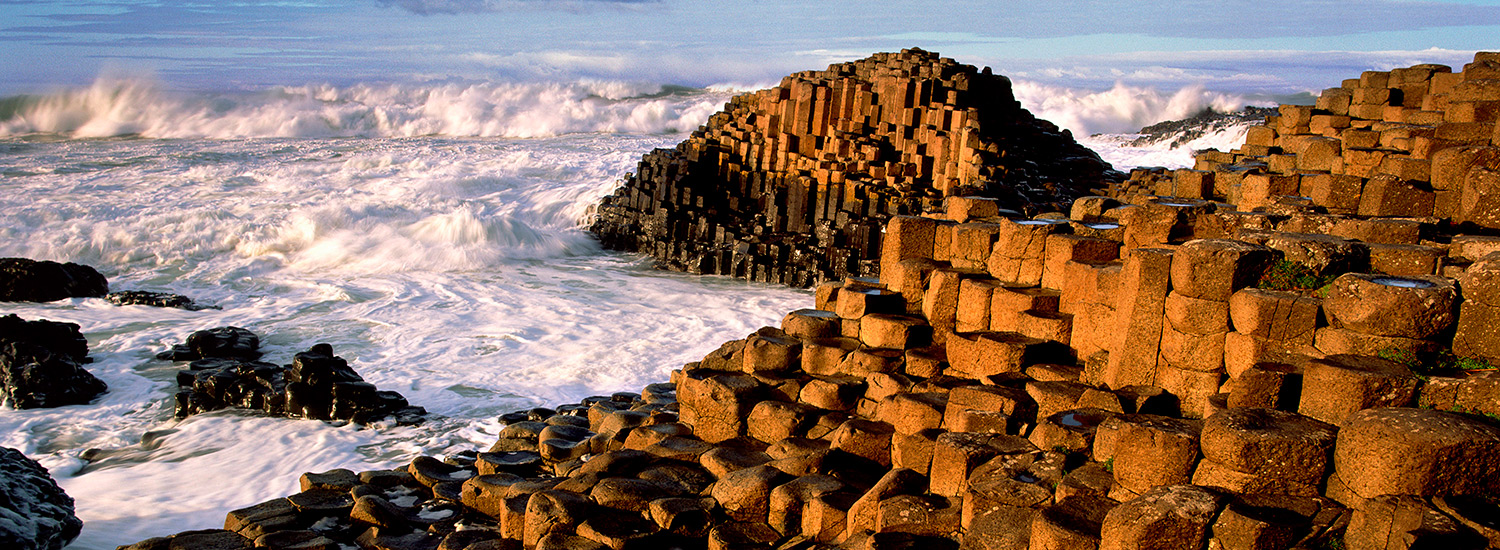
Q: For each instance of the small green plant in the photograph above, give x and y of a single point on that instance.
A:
(1434, 363)
(1492, 417)
(1294, 276)
(1109, 465)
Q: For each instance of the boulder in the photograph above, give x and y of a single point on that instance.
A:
(35, 514)
(33, 377)
(1336, 386)
(62, 338)
(221, 342)
(1401, 451)
(1406, 307)
(1166, 517)
(1268, 443)
(39, 364)
(1213, 269)
(27, 280)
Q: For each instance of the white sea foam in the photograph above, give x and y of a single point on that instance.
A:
(112, 107)
(452, 270)
(1119, 150)
(1118, 110)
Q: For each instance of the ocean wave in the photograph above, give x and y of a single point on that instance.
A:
(133, 107)
(1122, 109)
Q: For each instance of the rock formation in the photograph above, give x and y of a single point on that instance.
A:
(154, 299)
(40, 364)
(26, 280)
(318, 384)
(792, 184)
(1148, 371)
(35, 514)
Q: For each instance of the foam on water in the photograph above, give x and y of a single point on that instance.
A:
(1117, 149)
(1120, 109)
(451, 270)
(114, 107)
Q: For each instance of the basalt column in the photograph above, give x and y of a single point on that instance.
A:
(793, 184)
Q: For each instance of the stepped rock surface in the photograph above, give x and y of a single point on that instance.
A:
(1204, 359)
(793, 184)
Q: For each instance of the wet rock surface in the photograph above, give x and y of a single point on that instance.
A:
(154, 299)
(35, 514)
(27, 280)
(216, 343)
(41, 364)
(317, 384)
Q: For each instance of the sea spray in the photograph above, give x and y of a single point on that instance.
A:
(112, 107)
(1120, 110)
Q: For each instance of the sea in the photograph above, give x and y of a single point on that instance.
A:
(430, 232)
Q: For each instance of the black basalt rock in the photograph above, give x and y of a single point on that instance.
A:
(35, 514)
(317, 385)
(221, 342)
(61, 338)
(32, 377)
(154, 299)
(27, 280)
(40, 364)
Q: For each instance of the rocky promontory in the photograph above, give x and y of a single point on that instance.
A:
(793, 184)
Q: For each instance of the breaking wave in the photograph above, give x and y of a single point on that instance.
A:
(1122, 109)
(112, 107)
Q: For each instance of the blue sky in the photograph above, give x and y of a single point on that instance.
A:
(1263, 46)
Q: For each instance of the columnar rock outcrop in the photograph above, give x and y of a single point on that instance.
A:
(318, 385)
(1137, 375)
(792, 184)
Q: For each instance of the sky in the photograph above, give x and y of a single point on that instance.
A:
(1269, 46)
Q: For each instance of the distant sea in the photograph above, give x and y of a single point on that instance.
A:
(430, 233)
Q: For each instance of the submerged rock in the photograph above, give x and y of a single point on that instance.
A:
(40, 364)
(154, 299)
(35, 514)
(27, 280)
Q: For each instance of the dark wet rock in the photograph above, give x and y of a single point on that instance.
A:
(317, 385)
(1176, 133)
(221, 342)
(34, 377)
(62, 338)
(40, 364)
(27, 280)
(154, 299)
(35, 514)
